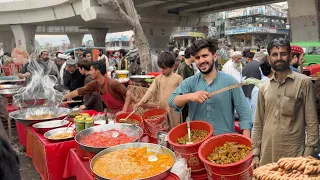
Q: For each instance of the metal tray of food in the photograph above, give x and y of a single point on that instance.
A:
(130, 130)
(64, 130)
(43, 127)
(149, 146)
(29, 116)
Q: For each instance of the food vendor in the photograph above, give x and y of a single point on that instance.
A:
(114, 94)
(286, 122)
(164, 85)
(218, 110)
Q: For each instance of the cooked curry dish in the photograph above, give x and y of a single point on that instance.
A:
(230, 152)
(64, 135)
(131, 163)
(41, 116)
(196, 136)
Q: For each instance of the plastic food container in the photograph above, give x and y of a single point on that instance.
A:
(190, 151)
(234, 171)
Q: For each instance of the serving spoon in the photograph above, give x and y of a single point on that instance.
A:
(154, 157)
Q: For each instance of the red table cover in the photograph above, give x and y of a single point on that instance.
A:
(48, 158)
(22, 133)
(75, 167)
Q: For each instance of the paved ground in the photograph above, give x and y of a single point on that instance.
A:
(27, 170)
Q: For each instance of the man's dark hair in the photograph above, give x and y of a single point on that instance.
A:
(279, 43)
(187, 52)
(296, 54)
(250, 55)
(85, 54)
(101, 51)
(166, 60)
(101, 66)
(9, 162)
(57, 53)
(202, 44)
(122, 52)
(244, 52)
(265, 68)
(85, 64)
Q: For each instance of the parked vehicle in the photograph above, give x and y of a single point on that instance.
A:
(311, 50)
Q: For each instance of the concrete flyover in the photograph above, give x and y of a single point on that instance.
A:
(23, 18)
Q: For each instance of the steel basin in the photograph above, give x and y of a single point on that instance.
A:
(8, 92)
(43, 127)
(130, 130)
(56, 131)
(22, 114)
(10, 86)
(150, 147)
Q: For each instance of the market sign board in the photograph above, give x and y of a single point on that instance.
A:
(251, 30)
(192, 34)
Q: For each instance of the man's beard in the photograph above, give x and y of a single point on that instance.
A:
(296, 65)
(238, 66)
(281, 67)
(207, 71)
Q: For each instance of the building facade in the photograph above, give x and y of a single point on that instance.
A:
(255, 26)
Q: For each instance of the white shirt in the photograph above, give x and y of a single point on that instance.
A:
(63, 67)
(229, 68)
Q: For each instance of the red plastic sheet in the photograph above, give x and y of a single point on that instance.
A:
(48, 158)
(22, 133)
(75, 167)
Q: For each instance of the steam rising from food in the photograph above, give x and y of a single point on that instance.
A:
(40, 89)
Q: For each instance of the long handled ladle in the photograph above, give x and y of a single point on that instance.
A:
(189, 131)
(116, 134)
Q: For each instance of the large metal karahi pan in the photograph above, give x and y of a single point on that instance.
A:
(129, 129)
(22, 114)
(150, 147)
(140, 78)
(8, 92)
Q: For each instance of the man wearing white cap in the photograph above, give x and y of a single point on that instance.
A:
(233, 67)
(62, 61)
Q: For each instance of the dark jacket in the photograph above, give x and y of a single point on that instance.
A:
(251, 70)
(92, 100)
(73, 81)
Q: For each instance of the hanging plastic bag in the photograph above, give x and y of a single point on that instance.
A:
(180, 168)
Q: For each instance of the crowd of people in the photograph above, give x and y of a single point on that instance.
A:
(280, 117)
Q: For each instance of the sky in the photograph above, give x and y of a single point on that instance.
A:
(59, 39)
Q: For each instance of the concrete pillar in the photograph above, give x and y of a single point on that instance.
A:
(75, 39)
(158, 35)
(7, 40)
(304, 20)
(99, 36)
(24, 36)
